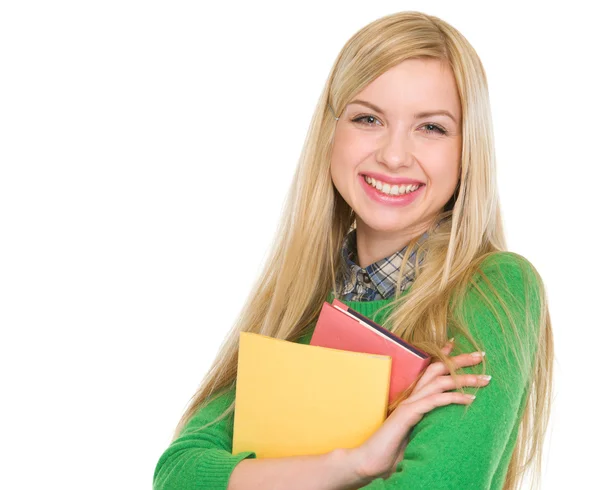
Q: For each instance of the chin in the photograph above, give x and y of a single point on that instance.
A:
(385, 226)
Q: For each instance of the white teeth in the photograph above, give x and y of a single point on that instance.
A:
(393, 190)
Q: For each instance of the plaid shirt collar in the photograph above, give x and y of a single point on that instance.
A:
(378, 280)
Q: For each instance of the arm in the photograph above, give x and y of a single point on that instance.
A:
(331, 471)
(200, 459)
(203, 460)
(470, 447)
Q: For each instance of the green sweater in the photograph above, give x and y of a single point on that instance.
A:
(452, 447)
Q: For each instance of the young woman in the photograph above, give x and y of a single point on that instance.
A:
(394, 210)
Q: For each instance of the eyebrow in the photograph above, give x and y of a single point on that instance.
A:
(418, 115)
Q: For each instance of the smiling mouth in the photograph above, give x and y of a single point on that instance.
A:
(391, 189)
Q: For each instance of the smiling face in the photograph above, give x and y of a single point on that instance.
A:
(395, 135)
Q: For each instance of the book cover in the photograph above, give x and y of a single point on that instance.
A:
(341, 327)
(296, 399)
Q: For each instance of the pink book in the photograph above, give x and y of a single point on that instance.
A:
(341, 327)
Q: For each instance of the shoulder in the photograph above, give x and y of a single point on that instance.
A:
(505, 281)
(502, 303)
(510, 268)
(506, 261)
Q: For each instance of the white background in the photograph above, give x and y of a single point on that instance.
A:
(146, 149)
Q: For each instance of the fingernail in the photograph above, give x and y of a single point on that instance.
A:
(478, 354)
(487, 377)
(451, 340)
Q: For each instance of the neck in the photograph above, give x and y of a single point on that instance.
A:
(373, 245)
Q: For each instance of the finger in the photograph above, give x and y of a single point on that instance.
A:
(459, 361)
(415, 410)
(431, 373)
(467, 359)
(438, 368)
(443, 399)
(448, 347)
(445, 383)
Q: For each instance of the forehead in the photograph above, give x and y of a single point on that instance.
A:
(415, 84)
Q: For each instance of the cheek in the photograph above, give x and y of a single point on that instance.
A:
(351, 148)
(444, 177)
(339, 176)
(342, 162)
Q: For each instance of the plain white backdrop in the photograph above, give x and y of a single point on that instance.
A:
(146, 149)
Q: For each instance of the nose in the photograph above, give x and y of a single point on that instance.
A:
(394, 150)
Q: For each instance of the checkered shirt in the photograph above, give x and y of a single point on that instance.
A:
(378, 280)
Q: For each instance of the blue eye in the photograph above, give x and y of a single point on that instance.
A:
(362, 118)
(436, 128)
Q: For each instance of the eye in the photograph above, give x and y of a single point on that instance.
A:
(435, 129)
(365, 120)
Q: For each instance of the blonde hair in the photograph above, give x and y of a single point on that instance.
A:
(287, 296)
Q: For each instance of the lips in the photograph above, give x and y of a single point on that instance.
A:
(390, 200)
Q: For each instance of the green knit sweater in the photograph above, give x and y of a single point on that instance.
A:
(453, 446)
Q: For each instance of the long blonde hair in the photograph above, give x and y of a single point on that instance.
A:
(288, 294)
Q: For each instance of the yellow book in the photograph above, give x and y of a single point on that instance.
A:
(294, 399)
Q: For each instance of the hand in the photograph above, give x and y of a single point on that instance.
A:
(379, 455)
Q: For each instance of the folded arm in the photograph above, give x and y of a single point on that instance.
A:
(469, 447)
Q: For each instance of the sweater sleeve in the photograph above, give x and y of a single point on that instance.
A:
(469, 447)
(201, 459)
